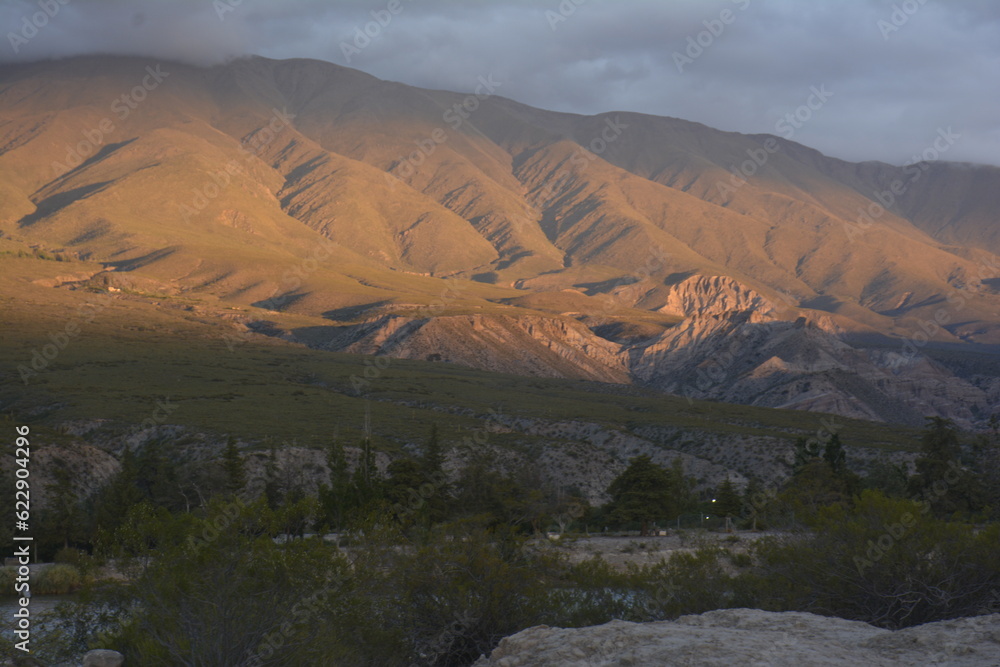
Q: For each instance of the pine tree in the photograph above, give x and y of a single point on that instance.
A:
(941, 480)
(113, 502)
(62, 515)
(432, 457)
(835, 455)
(234, 467)
(156, 475)
(366, 483)
(440, 490)
(727, 500)
(642, 493)
(334, 496)
(273, 493)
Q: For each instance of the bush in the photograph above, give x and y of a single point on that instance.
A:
(78, 558)
(57, 580)
(454, 597)
(885, 561)
(7, 576)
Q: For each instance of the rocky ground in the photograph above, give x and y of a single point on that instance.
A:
(621, 551)
(753, 638)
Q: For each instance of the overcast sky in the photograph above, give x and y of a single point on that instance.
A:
(898, 70)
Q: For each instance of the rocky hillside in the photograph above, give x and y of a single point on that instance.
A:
(731, 344)
(362, 215)
(753, 637)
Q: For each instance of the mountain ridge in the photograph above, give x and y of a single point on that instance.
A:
(227, 180)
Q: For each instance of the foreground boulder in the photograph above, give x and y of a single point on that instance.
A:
(750, 637)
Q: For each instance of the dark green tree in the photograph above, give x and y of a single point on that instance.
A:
(806, 451)
(728, 501)
(366, 483)
(403, 490)
(157, 476)
(643, 493)
(274, 493)
(63, 516)
(112, 503)
(940, 479)
(439, 492)
(335, 495)
(432, 457)
(813, 487)
(889, 478)
(835, 455)
(682, 488)
(234, 467)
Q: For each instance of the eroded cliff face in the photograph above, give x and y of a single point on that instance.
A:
(733, 345)
(523, 345)
(753, 637)
(701, 296)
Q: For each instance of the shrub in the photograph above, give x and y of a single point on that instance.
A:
(58, 579)
(7, 576)
(78, 558)
(885, 561)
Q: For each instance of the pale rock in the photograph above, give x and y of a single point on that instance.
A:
(754, 638)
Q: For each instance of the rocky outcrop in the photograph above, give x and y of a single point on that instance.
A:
(753, 637)
(738, 358)
(733, 345)
(714, 295)
(524, 345)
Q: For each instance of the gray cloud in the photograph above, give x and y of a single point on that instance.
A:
(894, 83)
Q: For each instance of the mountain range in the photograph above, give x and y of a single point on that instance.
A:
(315, 203)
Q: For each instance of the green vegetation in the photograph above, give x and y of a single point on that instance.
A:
(440, 580)
(259, 389)
(646, 492)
